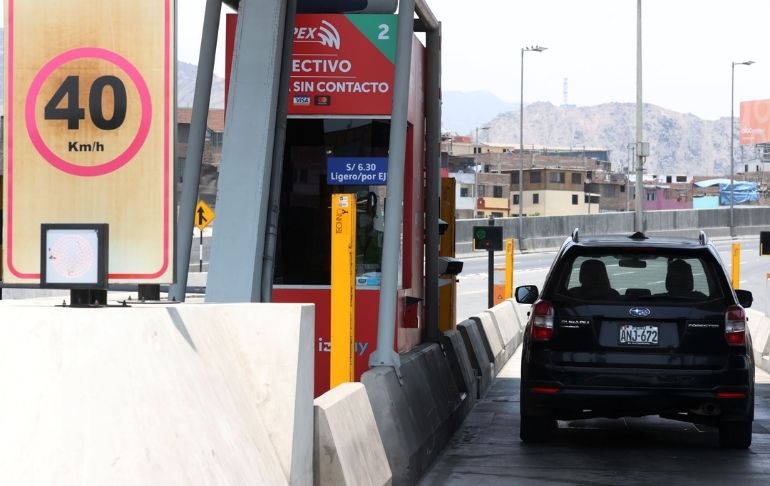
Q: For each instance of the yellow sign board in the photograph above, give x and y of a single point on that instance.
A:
(343, 288)
(89, 130)
(204, 215)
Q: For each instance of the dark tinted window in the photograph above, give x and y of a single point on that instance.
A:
(640, 276)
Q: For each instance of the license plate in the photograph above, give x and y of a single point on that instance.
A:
(638, 335)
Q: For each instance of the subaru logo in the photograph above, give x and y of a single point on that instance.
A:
(639, 311)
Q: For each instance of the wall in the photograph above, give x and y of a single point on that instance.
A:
(554, 202)
(705, 202)
(550, 232)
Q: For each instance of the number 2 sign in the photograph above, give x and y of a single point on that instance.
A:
(89, 130)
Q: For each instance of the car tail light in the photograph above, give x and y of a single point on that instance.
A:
(542, 320)
(546, 390)
(731, 395)
(735, 326)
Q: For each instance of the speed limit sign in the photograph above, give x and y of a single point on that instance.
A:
(89, 110)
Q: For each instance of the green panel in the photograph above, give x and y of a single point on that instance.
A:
(380, 30)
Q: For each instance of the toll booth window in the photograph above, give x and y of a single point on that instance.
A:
(303, 249)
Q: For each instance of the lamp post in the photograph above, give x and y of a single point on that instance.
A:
(521, 140)
(477, 138)
(732, 137)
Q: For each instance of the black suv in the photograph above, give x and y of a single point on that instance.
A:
(627, 326)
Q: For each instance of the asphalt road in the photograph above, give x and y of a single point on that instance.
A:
(646, 451)
(649, 450)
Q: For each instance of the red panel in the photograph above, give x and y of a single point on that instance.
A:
(337, 70)
(414, 206)
(367, 307)
(230, 27)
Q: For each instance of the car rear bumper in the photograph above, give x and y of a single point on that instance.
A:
(554, 399)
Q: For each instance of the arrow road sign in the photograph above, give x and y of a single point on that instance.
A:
(204, 215)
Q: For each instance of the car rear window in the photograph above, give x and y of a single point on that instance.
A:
(640, 277)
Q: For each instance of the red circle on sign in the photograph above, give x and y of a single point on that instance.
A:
(144, 124)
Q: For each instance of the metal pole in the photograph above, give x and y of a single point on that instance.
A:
(385, 355)
(274, 205)
(638, 221)
(433, 181)
(628, 178)
(732, 135)
(238, 246)
(195, 142)
(491, 272)
(521, 156)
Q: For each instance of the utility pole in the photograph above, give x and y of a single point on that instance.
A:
(638, 221)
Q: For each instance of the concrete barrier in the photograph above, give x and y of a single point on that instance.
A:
(347, 449)
(507, 321)
(484, 368)
(460, 363)
(549, 232)
(494, 338)
(417, 418)
(759, 326)
(183, 394)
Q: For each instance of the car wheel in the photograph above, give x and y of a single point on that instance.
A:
(735, 435)
(536, 429)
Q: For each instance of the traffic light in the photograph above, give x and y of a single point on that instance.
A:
(488, 238)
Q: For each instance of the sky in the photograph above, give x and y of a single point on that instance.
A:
(688, 47)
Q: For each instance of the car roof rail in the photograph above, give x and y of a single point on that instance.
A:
(702, 238)
(576, 235)
(638, 236)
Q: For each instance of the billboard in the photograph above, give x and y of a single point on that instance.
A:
(343, 65)
(755, 122)
(89, 125)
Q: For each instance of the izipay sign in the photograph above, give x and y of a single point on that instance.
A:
(342, 64)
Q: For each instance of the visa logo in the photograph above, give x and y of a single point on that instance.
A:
(302, 100)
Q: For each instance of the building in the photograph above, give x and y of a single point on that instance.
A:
(212, 152)
(493, 195)
(556, 182)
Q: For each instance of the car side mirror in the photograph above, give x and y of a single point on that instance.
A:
(744, 298)
(526, 294)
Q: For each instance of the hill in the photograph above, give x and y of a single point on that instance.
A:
(679, 143)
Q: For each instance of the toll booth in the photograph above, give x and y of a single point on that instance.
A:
(338, 130)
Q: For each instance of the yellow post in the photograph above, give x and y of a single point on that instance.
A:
(343, 290)
(736, 265)
(508, 268)
(447, 294)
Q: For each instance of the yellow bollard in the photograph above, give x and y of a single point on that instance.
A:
(736, 265)
(343, 288)
(509, 268)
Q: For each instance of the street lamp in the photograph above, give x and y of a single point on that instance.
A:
(521, 139)
(486, 127)
(732, 137)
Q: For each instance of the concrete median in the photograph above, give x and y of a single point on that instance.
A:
(494, 339)
(416, 416)
(484, 368)
(507, 321)
(759, 326)
(347, 448)
(460, 363)
(183, 394)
